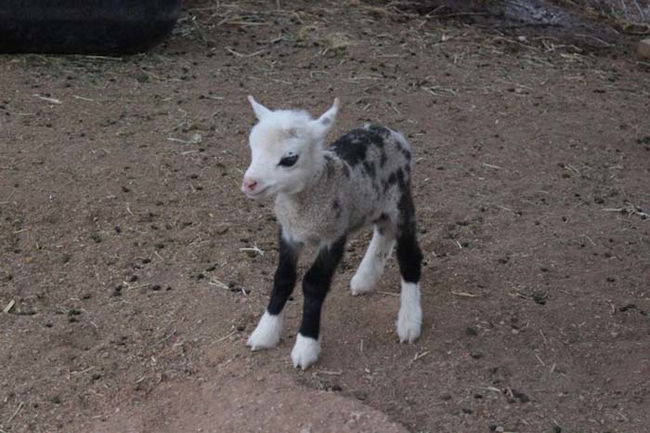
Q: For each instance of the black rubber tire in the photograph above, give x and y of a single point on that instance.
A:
(85, 26)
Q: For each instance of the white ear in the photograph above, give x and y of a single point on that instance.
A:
(259, 109)
(326, 121)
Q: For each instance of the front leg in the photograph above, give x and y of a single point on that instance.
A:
(315, 286)
(268, 331)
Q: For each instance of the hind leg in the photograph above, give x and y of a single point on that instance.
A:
(374, 261)
(409, 256)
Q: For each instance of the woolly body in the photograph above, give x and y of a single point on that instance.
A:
(360, 181)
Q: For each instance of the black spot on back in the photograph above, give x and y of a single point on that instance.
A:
(379, 130)
(377, 136)
(353, 146)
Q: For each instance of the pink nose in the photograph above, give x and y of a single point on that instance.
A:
(248, 184)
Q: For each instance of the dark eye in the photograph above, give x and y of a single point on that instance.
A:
(288, 161)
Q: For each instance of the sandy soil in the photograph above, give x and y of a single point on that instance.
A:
(125, 242)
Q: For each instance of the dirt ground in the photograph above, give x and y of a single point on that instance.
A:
(137, 269)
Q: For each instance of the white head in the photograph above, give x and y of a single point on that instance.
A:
(286, 150)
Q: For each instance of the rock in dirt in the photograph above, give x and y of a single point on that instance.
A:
(644, 48)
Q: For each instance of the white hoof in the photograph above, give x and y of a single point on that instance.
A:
(409, 320)
(267, 334)
(305, 352)
(408, 326)
(361, 284)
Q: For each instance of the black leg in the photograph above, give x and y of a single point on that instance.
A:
(409, 257)
(285, 275)
(316, 284)
(268, 330)
(409, 254)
